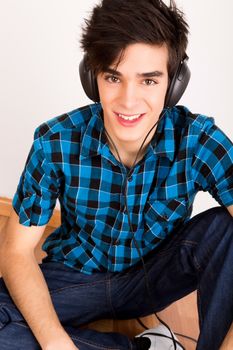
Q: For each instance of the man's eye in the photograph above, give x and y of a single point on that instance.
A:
(150, 82)
(112, 79)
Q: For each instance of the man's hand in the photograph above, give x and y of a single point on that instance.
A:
(61, 344)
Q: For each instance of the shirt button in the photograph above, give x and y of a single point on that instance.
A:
(123, 209)
(28, 194)
(130, 178)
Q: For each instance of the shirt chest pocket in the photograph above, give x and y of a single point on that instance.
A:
(166, 214)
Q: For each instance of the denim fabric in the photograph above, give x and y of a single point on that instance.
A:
(197, 256)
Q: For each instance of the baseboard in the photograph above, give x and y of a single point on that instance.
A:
(6, 207)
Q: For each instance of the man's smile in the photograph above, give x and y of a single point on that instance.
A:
(129, 119)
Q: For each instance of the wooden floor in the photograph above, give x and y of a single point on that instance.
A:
(181, 316)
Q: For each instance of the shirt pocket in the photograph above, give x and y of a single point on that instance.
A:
(162, 216)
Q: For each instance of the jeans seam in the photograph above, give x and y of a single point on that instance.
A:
(22, 324)
(199, 306)
(108, 292)
(192, 244)
(168, 249)
(73, 286)
(8, 304)
(188, 242)
(98, 346)
(196, 263)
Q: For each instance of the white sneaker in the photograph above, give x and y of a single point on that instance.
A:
(158, 337)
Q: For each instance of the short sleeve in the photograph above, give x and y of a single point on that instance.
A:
(38, 188)
(213, 164)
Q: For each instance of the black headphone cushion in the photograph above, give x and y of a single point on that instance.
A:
(178, 84)
(88, 81)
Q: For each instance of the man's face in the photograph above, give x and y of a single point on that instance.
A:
(133, 95)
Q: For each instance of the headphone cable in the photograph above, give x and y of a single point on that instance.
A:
(178, 334)
(128, 175)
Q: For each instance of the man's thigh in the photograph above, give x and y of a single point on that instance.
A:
(77, 298)
(171, 270)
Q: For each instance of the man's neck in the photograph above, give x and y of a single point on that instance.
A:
(128, 154)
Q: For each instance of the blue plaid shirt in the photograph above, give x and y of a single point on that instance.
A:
(70, 160)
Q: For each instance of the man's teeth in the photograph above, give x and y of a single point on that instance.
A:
(131, 117)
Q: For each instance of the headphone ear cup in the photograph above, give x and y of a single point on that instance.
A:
(178, 84)
(88, 81)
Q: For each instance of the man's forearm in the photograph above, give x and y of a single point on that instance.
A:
(29, 291)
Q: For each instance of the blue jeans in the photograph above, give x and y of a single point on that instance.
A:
(197, 256)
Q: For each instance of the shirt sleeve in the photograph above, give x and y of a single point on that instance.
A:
(38, 188)
(213, 164)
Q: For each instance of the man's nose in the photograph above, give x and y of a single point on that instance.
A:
(129, 96)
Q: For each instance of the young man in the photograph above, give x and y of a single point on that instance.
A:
(126, 172)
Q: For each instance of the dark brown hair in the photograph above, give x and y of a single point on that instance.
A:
(115, 24)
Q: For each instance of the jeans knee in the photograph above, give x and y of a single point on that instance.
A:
(222, 216)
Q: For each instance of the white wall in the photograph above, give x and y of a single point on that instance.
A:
(39, 71)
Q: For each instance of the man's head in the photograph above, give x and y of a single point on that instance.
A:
(132, 96)
(115, 24)
(133, 48)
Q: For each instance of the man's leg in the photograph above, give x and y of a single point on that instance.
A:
(207, 247)
(78, 300)
(214, 262)
(198, 255)
(18, 336)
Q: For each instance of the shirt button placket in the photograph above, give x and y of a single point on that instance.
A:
(130, 179)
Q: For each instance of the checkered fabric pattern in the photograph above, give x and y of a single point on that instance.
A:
(70, 160)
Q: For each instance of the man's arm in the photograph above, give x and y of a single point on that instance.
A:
(230, 209)
(27, 285)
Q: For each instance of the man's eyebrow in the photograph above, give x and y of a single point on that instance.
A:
(155, 73)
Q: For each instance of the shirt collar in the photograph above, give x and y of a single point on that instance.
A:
(94, 140)
(163, 142)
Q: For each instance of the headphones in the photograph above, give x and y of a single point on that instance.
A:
(175, 90)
